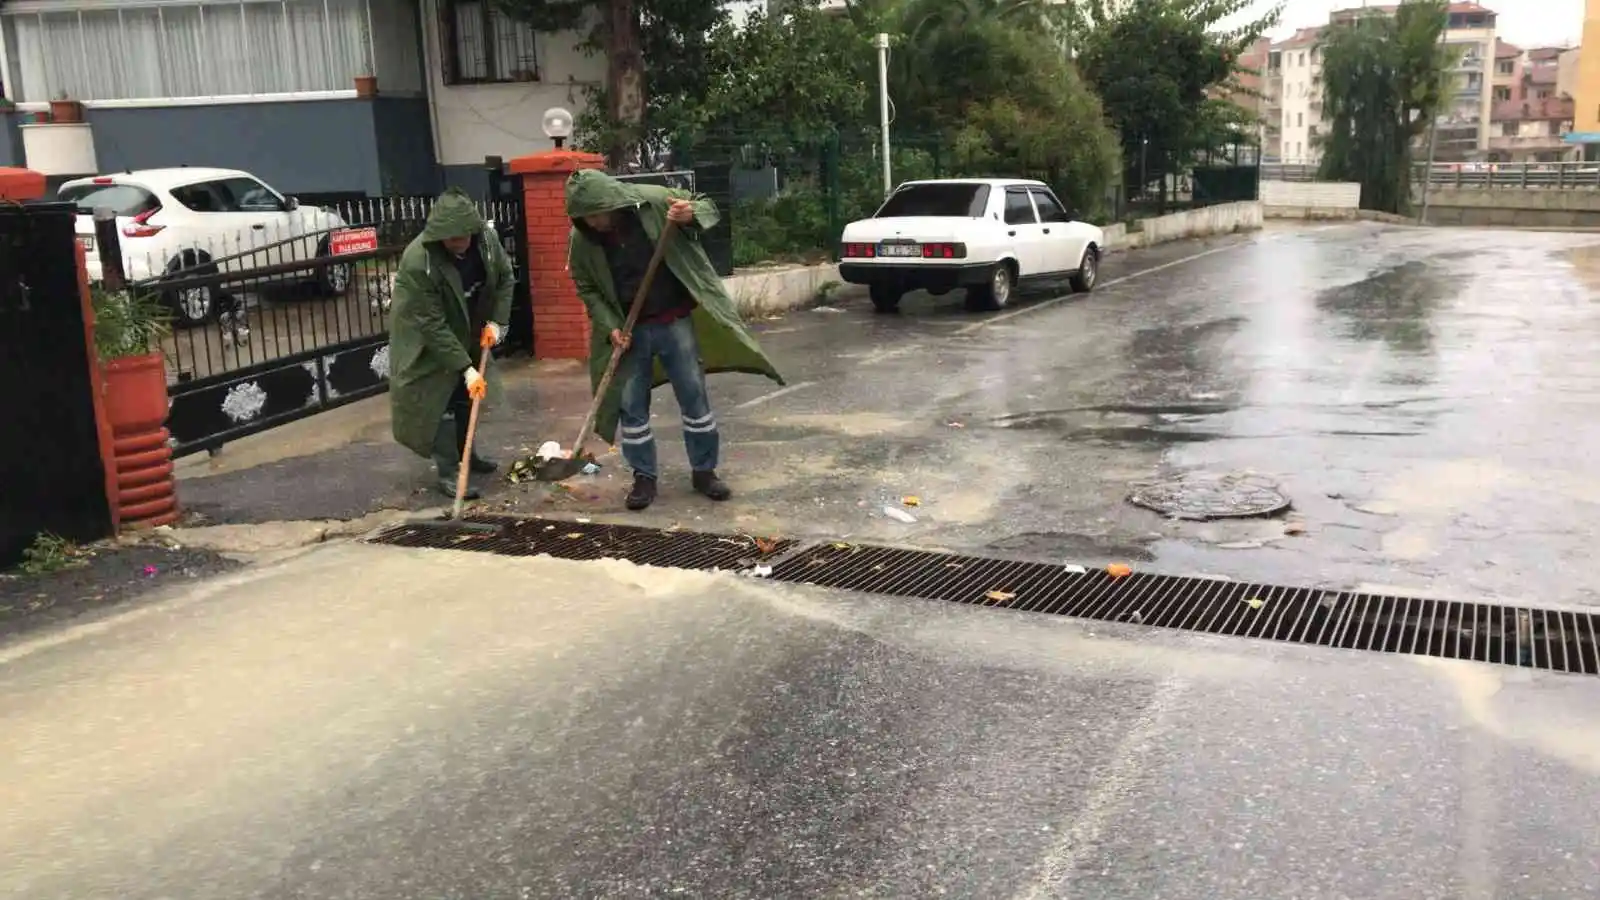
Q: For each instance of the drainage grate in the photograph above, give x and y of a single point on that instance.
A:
(1519, 636)
(1555, 640)
(575, 540)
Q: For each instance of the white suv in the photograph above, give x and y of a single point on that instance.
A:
(204, 220)
(983, 234)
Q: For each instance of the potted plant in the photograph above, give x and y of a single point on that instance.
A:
(128, 328)
(366, 86)
(65, 111)
(6, 105)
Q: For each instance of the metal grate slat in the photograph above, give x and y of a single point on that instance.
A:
(1560, 641)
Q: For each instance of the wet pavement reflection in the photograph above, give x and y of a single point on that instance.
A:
(1430, 410)
(1427, 398)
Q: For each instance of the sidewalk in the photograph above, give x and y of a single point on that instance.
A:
(344, 464)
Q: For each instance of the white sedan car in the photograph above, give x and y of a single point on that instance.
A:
(984, 234)
(208, 220)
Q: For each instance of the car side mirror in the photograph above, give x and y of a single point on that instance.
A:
(293, 203)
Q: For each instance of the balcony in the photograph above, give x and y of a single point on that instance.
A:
(1470, 64)
(1528, 142)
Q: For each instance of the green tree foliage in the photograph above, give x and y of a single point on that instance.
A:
(1016, 106)
(1155, 65)
(796, 77)
(1383, 82)
(655, 53)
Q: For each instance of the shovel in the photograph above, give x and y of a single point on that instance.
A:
(451, 521)
(561, 468)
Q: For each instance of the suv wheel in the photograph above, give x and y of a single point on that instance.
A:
(333, 278)
(194, 304)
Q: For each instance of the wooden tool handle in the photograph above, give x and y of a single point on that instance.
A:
(627, 331)
(472, 432)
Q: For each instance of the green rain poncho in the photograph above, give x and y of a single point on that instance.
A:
(430, 331)
(725, 344)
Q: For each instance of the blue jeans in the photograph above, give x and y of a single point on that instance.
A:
(674, 344)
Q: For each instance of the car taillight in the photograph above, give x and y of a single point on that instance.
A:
(141, 227)
(944, 251)
(860, 251)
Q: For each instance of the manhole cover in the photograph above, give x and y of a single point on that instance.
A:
(1204, 497)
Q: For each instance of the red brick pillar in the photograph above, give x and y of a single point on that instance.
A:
(560, 323)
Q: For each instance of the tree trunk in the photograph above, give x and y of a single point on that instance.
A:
(624, 79)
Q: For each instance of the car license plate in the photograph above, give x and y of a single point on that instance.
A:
(87, 240)
(899, 250)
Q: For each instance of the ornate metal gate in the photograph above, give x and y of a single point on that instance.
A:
(294, 326)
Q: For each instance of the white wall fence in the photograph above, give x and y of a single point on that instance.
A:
(1311, 199)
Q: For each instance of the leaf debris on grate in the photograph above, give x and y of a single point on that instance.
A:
(582, 541)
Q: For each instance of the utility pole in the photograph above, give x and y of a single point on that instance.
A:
(1433, 130)
(881, 41)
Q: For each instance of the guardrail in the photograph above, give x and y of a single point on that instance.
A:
(1551, 176)
(1478, 176)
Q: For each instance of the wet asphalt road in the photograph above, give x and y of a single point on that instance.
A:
(1427, 398)
(365, 722)
(368, 722)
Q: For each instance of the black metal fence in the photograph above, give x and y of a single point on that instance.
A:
(52, 479)
(278, 322)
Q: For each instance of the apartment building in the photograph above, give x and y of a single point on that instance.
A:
(1465, 125)
(1531, 130)
(1507, 85)
(1251, 89)
(1272, 106)
(1585, 134)
(1300, 91)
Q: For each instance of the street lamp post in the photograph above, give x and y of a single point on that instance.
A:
(557, 125)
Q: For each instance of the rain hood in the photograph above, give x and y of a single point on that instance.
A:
(591, 192)
(454, 215)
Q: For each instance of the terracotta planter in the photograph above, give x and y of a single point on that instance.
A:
(41, 118)
(366, 86)
(136, 408)
(136, 394)
(66, 112)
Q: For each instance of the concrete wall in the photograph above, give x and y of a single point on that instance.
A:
(1311, 194)
(1513, 207)
(403, 132)
(505, 120)
(308, 146)
(768, 290)
(1225, 218)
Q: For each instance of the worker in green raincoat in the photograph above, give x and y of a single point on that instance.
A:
(688, 326)
(452, 295)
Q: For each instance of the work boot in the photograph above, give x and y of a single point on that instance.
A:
(709, 484)
(483, 465)
(447, 460)
(643, 493)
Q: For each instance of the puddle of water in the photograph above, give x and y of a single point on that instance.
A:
(1393, 305)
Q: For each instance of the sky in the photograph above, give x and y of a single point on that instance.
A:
(1526, 23)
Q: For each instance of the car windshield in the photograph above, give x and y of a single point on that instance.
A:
(964, 201)
(123, 199)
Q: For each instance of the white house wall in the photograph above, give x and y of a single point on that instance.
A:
(475, 121)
